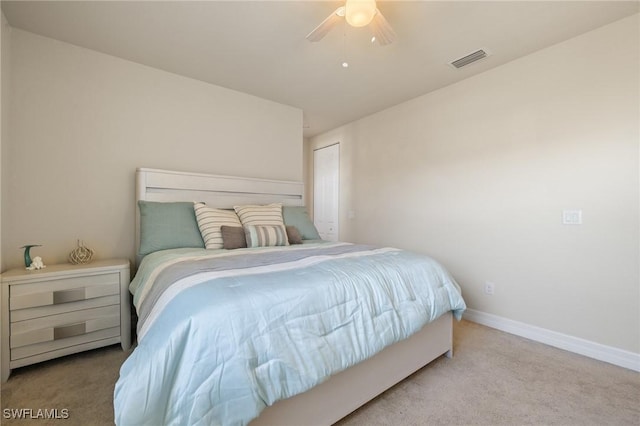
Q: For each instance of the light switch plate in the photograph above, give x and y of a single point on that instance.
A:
(572, 217)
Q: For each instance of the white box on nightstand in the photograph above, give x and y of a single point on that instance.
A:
(63, 309)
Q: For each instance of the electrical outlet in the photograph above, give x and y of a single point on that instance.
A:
(489, 288)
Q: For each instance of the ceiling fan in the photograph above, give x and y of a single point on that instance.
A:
(357, 13)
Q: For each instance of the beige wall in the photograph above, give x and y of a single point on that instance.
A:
(82, 121)
(477, 175)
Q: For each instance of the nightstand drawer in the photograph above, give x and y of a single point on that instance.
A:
(40, 348)
(45, 311)
(67, 290)
(58, 327)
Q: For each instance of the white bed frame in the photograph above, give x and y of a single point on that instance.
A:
(344, 392)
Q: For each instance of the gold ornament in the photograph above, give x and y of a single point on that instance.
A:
(81, 254)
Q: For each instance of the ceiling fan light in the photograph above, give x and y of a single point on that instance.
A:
(359, 13)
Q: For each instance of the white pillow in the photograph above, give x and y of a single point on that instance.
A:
(265, 215)
(210, 220)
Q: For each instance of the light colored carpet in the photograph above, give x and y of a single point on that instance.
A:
(494, 378)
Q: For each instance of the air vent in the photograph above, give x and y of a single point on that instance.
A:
(470, 58)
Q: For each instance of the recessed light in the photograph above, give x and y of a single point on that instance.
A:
(373, 39)
(345, 65)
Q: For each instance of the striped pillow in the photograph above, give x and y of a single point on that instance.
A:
(266, 235)
(270, 214)
(210, 220)
(266, 215)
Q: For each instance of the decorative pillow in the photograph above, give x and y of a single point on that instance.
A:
(270, 214)
(293, 235)
(167, 226)
(266, 215)
(233, 237)
(266, 235)
(210, 220)
(299, 217)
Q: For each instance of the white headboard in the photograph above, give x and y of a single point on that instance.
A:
(216, 191)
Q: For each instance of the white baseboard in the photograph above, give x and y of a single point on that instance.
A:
(573, 344)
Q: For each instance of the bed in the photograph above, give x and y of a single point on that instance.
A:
(284, 335)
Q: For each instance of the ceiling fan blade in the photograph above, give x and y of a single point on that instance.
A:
(321, 30)
(382, 30)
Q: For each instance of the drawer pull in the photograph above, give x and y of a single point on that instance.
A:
(69, 331)
(65, 296)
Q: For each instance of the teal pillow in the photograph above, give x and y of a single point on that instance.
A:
(167, 226)
(297, 216)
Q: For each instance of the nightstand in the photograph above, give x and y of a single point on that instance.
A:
(63, 309)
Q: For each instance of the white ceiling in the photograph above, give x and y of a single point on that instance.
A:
(260, 48)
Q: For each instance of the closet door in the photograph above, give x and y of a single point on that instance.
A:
(326, 186)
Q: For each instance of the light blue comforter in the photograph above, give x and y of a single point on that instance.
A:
(224, 334)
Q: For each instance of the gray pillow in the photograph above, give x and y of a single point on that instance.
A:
(233, 237)
(297, 216)
(167, 225)
(293, 235)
